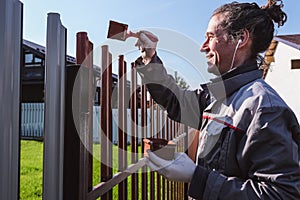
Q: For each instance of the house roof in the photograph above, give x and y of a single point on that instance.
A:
(42, 50)
(291, 40)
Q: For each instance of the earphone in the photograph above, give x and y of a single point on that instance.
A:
(236, 47)
(239, 42)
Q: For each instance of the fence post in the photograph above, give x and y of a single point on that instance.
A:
(10, 49)
(84, 57)
(54, 108)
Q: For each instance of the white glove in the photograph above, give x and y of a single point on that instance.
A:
(146, 43)
(180, 169)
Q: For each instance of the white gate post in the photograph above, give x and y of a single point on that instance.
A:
(10, 49)
(54, 108)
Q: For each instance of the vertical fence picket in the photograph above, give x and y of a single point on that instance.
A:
(122, 125)
(152, 134)
(40, 120)
(171, 137)
(22, 127)
(106, 122)
(24, 120)
(163, 135)
(134, 130)
(186, 148)
(159, 135)
(144, 135)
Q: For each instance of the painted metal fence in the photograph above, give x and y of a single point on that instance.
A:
(150, 121)
(68, 150)
(121, 126)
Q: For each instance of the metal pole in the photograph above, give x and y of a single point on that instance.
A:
(10, 50)
(106, 125)
(54, 108)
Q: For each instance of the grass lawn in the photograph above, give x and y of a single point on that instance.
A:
(32, 169)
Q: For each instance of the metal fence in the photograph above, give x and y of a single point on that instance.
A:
(109, 126)
(150, 121)
(68, 163)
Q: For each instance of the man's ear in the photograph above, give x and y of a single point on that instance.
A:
(244, 38)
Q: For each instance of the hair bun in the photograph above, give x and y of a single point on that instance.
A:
(274, 9)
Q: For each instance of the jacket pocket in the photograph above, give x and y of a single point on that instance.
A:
(210, 144)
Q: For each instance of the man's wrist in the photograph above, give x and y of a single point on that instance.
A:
(149, 54)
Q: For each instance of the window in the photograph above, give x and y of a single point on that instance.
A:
(296, 64)
(32, 60)
(37, 60)
(28, 58)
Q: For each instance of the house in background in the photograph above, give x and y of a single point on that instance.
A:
(283, 73)
(33, 74)
(33, 71)
(32, 91)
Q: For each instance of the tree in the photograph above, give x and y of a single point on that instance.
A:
(181, 82)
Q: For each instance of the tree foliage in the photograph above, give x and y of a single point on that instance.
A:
(181, 82)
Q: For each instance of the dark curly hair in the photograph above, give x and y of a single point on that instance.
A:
(259, 21)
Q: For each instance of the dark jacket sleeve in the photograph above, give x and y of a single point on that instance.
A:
(184, 106)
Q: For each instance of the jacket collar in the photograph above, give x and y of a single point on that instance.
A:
(230, 82)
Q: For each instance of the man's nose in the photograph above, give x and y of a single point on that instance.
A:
(204, 48)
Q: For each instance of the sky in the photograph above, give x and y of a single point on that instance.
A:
(180, 25)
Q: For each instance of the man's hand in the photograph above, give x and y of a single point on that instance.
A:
(147, 45)
(180, 169)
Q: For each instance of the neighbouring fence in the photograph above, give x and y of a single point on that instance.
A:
(32, 120)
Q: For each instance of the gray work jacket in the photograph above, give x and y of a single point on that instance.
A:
(249, 140)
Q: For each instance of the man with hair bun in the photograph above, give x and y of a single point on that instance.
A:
(249, 138)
